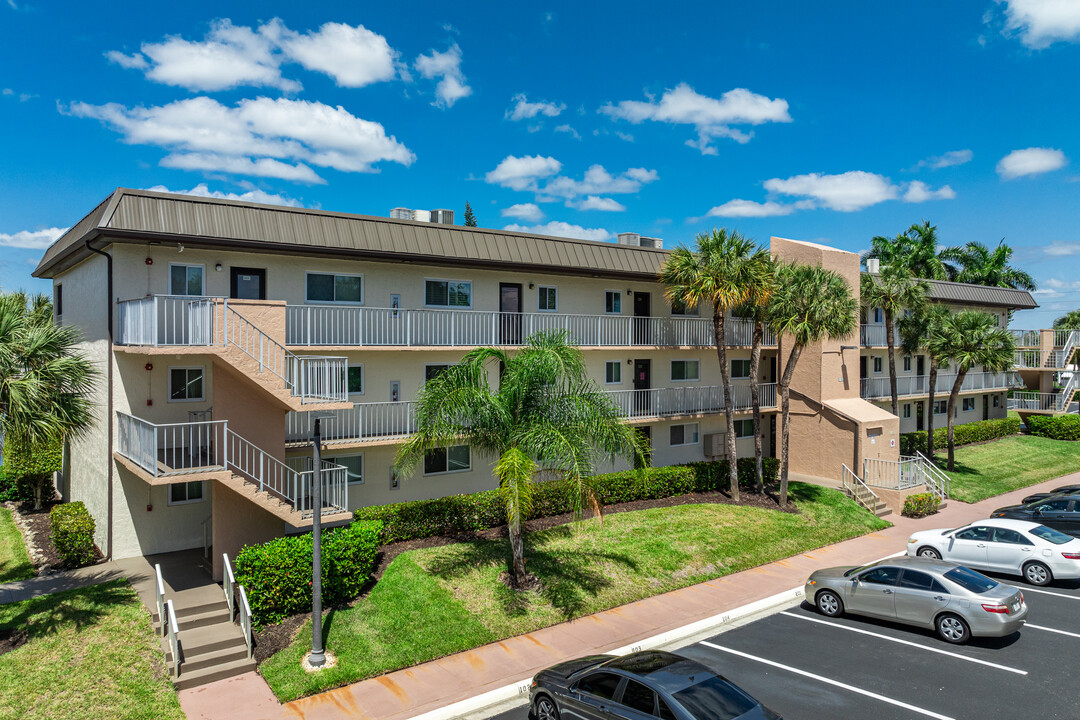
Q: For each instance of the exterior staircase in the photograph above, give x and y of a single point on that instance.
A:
(860, 492)
(212, 646)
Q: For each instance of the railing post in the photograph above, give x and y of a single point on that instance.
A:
(262, 471)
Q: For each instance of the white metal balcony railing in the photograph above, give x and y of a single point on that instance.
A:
(396, 420)
(175, 321)
(875, 336)
(1025, 338)
(315, 325)
(1026, 400)
(907, 385)
(177, 449)
(1027, 358)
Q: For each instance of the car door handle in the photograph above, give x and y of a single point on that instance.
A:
(887, 592)
(1025, 549)
(980, 545)
(939, 597)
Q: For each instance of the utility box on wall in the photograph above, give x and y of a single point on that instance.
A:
(713, 445)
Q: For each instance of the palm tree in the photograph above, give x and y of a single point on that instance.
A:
(45, 382)
(916, 249)
(725, 270)
(757, 312)
(970, 338)
(894, 290)
(914, 331)
(810, 303)
(544, 416)
(980, 265)
(1068, 321)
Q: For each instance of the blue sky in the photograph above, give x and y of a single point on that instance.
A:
(831, 122)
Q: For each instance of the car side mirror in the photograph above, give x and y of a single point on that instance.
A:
(854, 581)
(1036, 511)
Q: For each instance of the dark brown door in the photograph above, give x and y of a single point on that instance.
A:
(509, 313)
(920, 365)
(642, 308)
(862, 367)
(986, 407)
(920, 411)
(642, 384)
(247, 283)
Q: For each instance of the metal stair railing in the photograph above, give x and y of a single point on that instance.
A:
(859, 490)
(935, 480)
(1066, 393)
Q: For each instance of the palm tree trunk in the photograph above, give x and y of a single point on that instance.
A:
(729, 414)
(930, 414)
(517, 549)
(755, 363)
(785, 412)
(890, 341)
(953, 396)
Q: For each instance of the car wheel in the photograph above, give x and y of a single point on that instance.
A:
(544, 708)
(1037, 574)
(952, 629)
(829, 603)
(930, 553)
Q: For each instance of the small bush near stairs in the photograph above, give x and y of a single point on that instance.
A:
(73, 534)
(277, 574)
(920, 505)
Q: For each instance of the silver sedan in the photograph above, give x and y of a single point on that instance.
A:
(952, 600)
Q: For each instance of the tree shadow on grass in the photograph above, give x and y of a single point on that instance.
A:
(72, 610)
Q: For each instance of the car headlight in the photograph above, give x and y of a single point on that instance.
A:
(912, 540)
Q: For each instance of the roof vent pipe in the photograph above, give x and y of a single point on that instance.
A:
(873, 265)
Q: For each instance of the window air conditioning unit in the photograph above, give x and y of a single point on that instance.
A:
(714, 445)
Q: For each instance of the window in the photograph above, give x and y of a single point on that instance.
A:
(58, 299)
(716, 699)
(740, 369)
(680, 309)
(638, 697)
(877, 364)
(355, 375)
(1051, 535)
(613, 372)
(447, 460)
(185, 384)
(916, 580)
(447, 293)
(941, 407)
(971, 580)
(881, 576)
(980, 534)
(354, 465)
(684, 370)
(683, 434)
(744, 428)
(185, 279)
(997, 401)
(613, 301)
(969, 404)
(548, 299)
(879, 316)
(433, 371)
(182, 493)
(601, 684)
(907, 363)
(1010, 537)
(328, 288)
(907, 410)
(665, 712)
(1053, 506)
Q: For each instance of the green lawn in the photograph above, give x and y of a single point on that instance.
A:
(437, 601)
(1011, 463)
(91, 653)
(14, 561)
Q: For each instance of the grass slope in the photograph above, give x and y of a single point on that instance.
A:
(91, 653)
(14, 560)
(997, 467)
(437, 601)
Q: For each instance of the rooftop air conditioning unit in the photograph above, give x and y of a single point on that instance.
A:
(422, 215)
(873, 266)
(638, 240)
(401, 213)
(443, 217)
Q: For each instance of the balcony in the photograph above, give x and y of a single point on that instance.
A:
(332, 326)
(909, 385)
(875, 336)
(394, 421)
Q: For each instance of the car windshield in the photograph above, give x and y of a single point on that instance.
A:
(715, 699)
(971, 580)
(1050, 535)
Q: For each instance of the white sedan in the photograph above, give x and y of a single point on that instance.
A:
(1017, 547)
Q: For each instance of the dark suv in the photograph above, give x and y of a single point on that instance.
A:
(1061, 512)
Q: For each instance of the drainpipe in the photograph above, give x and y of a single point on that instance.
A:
(109, 403)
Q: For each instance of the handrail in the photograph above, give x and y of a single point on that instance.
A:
(936, 481)
(908, 385)
(159, 592)
(228, 584)
(163, 449)
(859, 489)
(174, 639)
(245, 621)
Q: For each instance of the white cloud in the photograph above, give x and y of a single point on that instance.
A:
(135, 61)
(1030, 161)
(598, 181)
(624, 136)
(562, 229)
(592, 202)
(530, 212)
(711, 117)
(8, 91)
(567, 129)
(447, 66)
(263, 167)
(1040, 23)
(353, 56)
(282, 129)
(253, 195)
(949, 159)
(33, 239)
(1060, 249)
(918, 192)
(525, 110)
(846, 192)
(750, 209)
(522, 173)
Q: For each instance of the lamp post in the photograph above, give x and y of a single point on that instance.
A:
(318, 654)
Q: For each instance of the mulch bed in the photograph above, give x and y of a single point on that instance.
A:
(274, 638)
(11, 638)
(36, 527)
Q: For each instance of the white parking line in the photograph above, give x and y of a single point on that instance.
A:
(939, 651)
(1053, 630)
(829, 681)
(1047, 592)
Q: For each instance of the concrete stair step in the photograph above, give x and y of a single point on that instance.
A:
(208, 639)
(186, 611)
(216, 616)
(195, 678)
(223, 656)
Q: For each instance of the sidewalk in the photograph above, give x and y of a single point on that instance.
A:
(432, 685)
(60, 581)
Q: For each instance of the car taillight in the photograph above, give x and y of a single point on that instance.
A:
(1001, 609)
(1070, 556)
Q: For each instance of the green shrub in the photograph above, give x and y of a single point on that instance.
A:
(458, 514)
(276, 575)
(920, 505)
(28, 469)
(965, 434)
(1055, 427)
(73, 534)
(11, 490)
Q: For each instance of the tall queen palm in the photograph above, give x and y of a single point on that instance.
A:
(894, 290)
(915, 329)
(723, 270)
(542, 416)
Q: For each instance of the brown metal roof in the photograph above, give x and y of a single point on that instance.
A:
(142, 216)
(967, 294)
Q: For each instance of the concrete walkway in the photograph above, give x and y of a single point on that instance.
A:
(60, 581)
(413, 691)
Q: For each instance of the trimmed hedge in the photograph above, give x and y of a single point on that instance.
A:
(457, 514)
(73, 534)
(1055, 427)
(920, 505)
(965, 434)
(27, 471)
(277, 574)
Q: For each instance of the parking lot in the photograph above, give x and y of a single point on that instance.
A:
(808, 667)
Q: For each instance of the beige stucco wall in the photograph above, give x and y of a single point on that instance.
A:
(238, 522)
